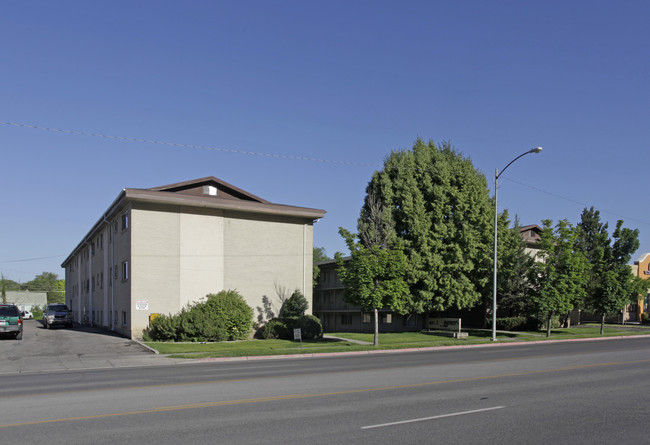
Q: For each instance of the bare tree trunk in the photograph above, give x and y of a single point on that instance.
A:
(376, 342)
(548, 324)
(602, 324)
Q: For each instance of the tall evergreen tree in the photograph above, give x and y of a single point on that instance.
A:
(593, 241)
(514, 266)
(442, 214)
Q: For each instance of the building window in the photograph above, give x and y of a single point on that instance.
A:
(367, 317)
(125, 221)
(123, 318)
(115, 272)
(125, 270)
(387, 318)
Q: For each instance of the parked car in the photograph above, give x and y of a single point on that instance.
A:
(27, 315)
(10, 321)
(57, 314)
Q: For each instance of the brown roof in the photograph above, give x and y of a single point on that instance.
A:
(195, 187)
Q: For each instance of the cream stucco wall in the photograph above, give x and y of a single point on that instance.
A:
(177, 255)
(261, 254)
(201, 254)
(177, 258)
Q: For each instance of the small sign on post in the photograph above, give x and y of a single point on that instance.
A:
(297, 335)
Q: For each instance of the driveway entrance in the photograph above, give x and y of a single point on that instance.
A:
(61, 349)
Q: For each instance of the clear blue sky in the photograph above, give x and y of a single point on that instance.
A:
(346, 81)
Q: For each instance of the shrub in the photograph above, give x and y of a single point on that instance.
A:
(198, 323)
(282, 328)
(37, 312)
(512, 323)
(645, 318)
(310, 327)
(231, 307)
(296, 305)
(274, 329)
(163, 328)
(224, 316)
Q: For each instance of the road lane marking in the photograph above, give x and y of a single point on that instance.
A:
(423, 419)
(336, 393)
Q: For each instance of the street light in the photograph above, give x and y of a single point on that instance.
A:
(496, 215)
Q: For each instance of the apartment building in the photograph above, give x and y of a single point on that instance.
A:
(156, 250)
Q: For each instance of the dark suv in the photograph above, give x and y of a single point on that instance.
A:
(57, 314)
(10, 320)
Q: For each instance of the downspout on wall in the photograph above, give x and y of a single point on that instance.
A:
(90, 295)
(111, 236)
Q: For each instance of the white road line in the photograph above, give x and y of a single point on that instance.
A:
(432, 418)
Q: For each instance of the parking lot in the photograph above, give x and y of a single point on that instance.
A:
(61, 349)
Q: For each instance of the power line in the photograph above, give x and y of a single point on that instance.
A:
(555, 195)
(199, 147)
(268, 155)
(34, 259)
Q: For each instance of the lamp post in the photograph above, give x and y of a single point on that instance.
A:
(496, 218)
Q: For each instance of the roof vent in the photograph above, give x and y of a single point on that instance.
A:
(209, 190)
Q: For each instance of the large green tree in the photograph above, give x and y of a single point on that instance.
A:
(442, 216)
(612, 284)
(560, 277)
(374, 278)
(375, 273)
(48, 282)
(319, 255)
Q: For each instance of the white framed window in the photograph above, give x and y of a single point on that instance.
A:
(125, 270)
(387, 318)
(367, 317)
(125, 221)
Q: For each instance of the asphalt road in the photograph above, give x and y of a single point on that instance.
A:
(577, 392)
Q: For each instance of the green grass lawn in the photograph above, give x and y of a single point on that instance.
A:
(386, 341)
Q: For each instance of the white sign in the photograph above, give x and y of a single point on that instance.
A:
(141, 305)
(297, 334)
(452, 324)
